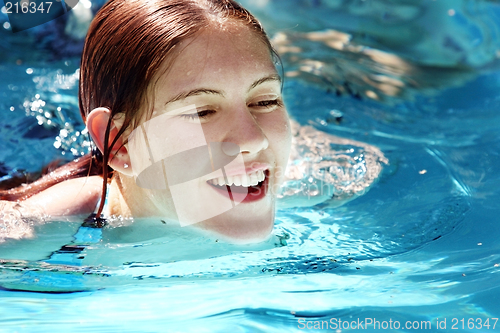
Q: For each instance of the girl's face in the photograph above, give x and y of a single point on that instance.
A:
(218, 107)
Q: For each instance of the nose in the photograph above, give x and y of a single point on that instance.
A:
(245, 132)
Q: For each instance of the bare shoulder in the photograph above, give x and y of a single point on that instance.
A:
(71, 197)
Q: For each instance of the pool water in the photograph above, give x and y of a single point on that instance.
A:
(419, 247)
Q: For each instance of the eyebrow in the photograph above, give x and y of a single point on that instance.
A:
(201, 91)
(195, 92)
(269, 78)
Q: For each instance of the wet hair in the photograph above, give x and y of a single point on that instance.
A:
(127, 43)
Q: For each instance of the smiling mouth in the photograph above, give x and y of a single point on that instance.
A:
(255, 189)
(245, 180)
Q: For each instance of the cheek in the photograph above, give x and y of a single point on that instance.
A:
(276, 126)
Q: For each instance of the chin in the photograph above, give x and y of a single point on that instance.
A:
(240, 229)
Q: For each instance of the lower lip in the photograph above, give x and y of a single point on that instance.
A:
(252, 193)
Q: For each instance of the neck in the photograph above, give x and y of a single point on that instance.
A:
(129, 200)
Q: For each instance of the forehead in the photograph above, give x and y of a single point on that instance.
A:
(233, 55)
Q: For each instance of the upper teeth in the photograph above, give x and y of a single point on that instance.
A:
(241, 180)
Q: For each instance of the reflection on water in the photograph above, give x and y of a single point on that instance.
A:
(331, 59)
(443, 33)
(381, 49)
(328, 168)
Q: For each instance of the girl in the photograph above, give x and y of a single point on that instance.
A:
(183, 102)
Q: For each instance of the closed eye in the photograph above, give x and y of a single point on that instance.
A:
(200, 114)
(268, 103)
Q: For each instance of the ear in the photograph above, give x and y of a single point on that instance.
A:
(97, 120)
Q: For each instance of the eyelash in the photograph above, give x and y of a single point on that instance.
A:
(205, 113)
(200, 114)
(269, 103)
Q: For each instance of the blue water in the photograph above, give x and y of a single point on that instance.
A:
(416, 80)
